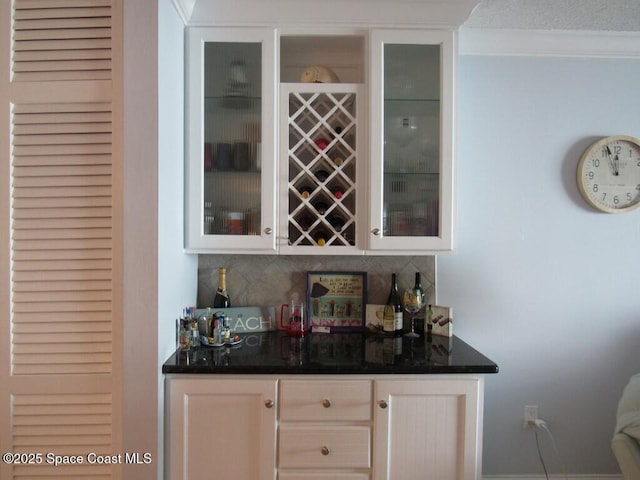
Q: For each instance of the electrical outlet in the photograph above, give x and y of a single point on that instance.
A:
(530, 415)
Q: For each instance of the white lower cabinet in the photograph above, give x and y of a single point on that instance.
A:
(429, 429)
(337, 427)
(222, 428)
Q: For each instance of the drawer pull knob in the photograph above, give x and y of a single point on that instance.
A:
(268, 231)
(325, 450)
(382, 403)
(268, 403)
(376, 231)
(326, 403)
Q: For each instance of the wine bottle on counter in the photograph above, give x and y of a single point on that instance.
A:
(221, 299)
(418, 286)
(394, 302)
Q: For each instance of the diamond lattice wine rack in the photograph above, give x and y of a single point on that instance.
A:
(321, 164)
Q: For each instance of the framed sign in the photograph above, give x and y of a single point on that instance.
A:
(336, 300)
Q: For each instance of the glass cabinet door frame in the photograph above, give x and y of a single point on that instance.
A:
(196, 240)
(378, 242)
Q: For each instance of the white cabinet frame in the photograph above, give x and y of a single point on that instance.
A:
(378, 242)
(196, 240)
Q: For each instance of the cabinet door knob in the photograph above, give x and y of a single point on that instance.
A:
(326, 403)
(325, 450)
(268, 231)
(269, 403)
(382, 403)
(376, 231)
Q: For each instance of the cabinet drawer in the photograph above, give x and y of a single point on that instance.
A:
(304, 400)
(324, 447)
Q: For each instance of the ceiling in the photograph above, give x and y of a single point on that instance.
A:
(593, 15)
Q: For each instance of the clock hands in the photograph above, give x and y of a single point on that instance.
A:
(614, 163)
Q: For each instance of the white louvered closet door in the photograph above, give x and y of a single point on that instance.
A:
(61, 360)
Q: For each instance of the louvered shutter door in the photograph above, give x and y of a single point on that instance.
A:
(63, 380)
(61, 40)
(61, 239)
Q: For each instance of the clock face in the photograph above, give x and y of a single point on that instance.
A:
(609, 174)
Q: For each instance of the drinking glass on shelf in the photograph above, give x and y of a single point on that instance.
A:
(412, 300)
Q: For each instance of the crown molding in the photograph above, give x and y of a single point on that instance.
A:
(403, 13)
(184, 9)
(548, 43)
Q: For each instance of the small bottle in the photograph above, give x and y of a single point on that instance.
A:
(395, 303)
(226, 331)
(195, 335)
(209, 323)
(217, 330)
(183, 337)
(221, 299)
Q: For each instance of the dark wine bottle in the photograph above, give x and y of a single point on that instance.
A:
(305, 191)
(305, 222)
(418, 286)
(221, 299)
(321, 238)
(321, 207)
(322, 143)
(321, 175)
(336, 222)
(394, 302)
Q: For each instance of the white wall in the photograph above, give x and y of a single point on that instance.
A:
(177, 272)
(544, 286)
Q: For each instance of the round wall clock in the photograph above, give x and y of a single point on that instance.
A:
(609, 174)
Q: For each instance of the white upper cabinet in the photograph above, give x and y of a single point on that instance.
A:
(356, 157)
(412, 140)
(230, 192)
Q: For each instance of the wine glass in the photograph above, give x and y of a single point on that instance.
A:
(412, 300)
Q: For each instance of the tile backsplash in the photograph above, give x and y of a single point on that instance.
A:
(260, 280)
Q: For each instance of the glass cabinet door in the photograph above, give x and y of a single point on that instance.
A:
(230, 173)
(412, 140)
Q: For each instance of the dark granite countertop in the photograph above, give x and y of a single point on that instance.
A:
(335, 353)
